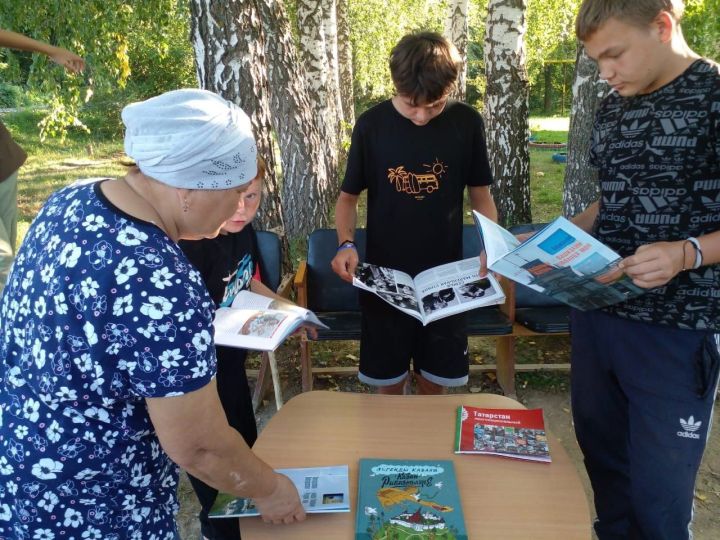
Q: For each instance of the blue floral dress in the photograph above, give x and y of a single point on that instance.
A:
(101, 311)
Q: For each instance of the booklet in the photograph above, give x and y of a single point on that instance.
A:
(258, 322)
(416, 499)
(561, 260)
(438, 292)
(513, 433)
(321, 489)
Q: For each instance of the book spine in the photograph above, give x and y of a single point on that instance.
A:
(458, 429)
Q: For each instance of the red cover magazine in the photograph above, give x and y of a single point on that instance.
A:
(513, 433)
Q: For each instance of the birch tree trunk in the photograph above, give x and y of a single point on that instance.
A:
(456, 30)
(347, 94)
(319, 80)
(506, 109)
(230, 60)
(308, 191)
(581, 180)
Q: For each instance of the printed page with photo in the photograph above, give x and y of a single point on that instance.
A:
(258, 322)
(561, 260)
(321, 490)
(438, 292)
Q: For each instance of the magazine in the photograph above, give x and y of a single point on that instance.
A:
(321, 489)
(513, 433)
(416, 499)
(438, 292)
(258, 322)
(561, 260)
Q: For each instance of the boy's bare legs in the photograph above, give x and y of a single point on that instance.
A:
(397, 389)
(426, 387)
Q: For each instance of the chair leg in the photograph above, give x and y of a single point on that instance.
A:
(306, 366)
(275, 379)
(505, 360)
(262, 384)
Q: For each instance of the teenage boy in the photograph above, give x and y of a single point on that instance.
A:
(414, 154)
(645, 372)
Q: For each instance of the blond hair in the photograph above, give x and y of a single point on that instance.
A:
(594, 13)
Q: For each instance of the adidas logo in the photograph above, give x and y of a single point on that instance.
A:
(690, 427)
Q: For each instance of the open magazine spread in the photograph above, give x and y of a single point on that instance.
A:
(321, 489)
(408, 499)
(513, 433)
(258, 322)
(438, 292)
(561, 261)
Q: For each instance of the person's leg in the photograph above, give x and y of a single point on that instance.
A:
(671, 384)
(8, 211)
(234, 394)
(387, 337)
(599, 409)
(440, 356)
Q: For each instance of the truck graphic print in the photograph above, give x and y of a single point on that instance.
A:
(417, 183)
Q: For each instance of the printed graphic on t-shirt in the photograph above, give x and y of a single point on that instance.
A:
(417, 184)
(238, 280)
(659, 170)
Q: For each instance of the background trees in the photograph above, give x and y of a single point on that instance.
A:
(305, 68)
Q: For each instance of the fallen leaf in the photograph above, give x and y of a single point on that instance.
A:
(700, 496)
(566, 410)
(475, 389)
(540, 173)
(351, 356)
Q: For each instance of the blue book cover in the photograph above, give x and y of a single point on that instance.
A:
(408, 500)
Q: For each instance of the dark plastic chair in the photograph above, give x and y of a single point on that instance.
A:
(335, 301)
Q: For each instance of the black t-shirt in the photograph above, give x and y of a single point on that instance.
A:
(416, 177)
(227, 264)
(658, 157)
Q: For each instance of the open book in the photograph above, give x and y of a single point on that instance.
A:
(561, 260)
(321, 490)
(513, 433)
(438, 292)
(254, 321)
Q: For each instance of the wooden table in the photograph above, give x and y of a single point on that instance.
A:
(501, 498)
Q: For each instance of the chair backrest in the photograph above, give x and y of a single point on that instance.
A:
(326, 291)
(525, 296)
(270, 258)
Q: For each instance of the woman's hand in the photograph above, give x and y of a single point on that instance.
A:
(282, 505)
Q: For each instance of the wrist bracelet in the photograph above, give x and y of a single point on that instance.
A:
(346, 245)
(698, 252)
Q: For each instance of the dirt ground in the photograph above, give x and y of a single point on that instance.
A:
(548, 391)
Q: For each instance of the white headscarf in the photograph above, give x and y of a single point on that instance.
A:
(191, 139)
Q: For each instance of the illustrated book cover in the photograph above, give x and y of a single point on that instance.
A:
(321, 489)
(408, 500)
(561, 260)
(438, 292)
(513, 433)
(258, 322)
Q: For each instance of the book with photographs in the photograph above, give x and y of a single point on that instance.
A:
(438, 292)
(321, 490)
(560, 260)
(258, 322)
(513, 433)
(412, 499)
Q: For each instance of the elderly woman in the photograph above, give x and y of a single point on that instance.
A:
(107, 361)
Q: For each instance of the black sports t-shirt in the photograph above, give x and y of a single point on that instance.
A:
(658, 157)
(415, 177)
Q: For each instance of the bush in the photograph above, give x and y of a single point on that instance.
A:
(11, 96)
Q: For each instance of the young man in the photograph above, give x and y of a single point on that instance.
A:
(414, 153)
(645, 372)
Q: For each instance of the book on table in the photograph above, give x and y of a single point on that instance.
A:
(258, 322)
(435, 293)
(321, 490)
(513, 433)
(560, 260)
(413, 499)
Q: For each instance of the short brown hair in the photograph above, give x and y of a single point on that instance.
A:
(594, 13)
(424, 66)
